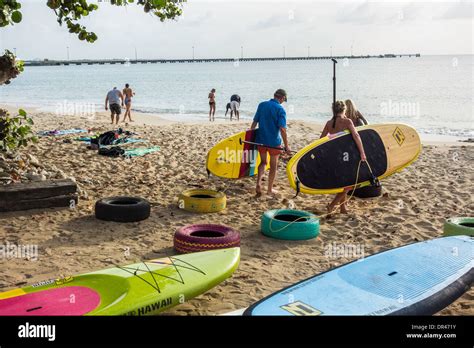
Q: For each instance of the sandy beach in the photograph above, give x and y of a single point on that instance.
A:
(415, 204)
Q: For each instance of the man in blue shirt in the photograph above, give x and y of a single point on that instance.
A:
(271, 120)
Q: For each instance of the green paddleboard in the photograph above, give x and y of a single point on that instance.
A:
(143, 288)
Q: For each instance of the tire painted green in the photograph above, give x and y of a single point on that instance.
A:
(289, 224)
(459, 226)
(143, 288)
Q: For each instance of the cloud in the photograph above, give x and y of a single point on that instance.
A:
(370, 13)
(460, 10)
(361, 14)
(275, 21)
(194, 20)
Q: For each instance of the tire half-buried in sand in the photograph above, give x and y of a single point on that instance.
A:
(202, 237)
(202, 201)
(459, 226)
(367, 192)
(122, 209)
(289, 224)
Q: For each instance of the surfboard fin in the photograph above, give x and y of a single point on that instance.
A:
(297, 182)
(374, 181)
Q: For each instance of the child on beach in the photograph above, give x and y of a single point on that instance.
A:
(212, 104)
(339, 123)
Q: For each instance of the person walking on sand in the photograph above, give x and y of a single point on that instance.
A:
(234, 106)
(352, 113)
(114, 99)
(212, 104)
(339, 123)
(128, 94)
(271, 120)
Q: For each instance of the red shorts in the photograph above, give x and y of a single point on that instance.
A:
(273, 152)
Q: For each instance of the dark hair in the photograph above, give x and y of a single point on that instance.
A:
(337, 108)
(127, 85)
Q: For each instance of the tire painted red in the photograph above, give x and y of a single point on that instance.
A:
(202, 237)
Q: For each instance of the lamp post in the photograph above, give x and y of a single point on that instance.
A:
(67, 50)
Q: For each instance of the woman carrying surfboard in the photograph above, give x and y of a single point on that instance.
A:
(340, 123)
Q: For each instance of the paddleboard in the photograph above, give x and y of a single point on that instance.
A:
(231, 158)
(143, 288)
(329, 165)
(416, 279)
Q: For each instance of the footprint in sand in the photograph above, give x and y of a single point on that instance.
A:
(393, 219)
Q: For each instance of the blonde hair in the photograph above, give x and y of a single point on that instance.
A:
(351, 111)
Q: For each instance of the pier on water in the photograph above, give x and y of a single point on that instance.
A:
(47, 62)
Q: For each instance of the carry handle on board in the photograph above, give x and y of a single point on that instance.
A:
(374, 181)
(258, 144)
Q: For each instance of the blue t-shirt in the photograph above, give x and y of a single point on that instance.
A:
(271, 117)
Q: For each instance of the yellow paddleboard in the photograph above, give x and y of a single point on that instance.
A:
(329, 165)
(233, 159)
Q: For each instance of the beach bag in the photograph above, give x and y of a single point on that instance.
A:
(114, 151)
(106, 138)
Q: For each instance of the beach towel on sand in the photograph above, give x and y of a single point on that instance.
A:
(58, 132)
(121, 141)
(142, 151)
(117, 151)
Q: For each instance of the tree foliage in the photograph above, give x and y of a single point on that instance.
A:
(70, 12)
(15, 131)
(9, 67)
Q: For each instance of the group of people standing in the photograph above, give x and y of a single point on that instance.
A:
(116, 100)
(233, 106)
(272, 132)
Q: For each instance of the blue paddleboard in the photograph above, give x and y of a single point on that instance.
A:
(416, 279)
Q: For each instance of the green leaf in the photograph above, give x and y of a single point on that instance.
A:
(22, 112)
(159, 3)
(16, 16)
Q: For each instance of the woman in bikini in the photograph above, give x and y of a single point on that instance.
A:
(128, 94)
(339, 123)
(212, 104)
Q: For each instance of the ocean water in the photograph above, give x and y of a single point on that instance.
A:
(432, 93)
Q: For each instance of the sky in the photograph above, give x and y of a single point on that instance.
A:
(264, 28)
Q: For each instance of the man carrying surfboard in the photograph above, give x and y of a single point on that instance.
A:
(271, 120)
